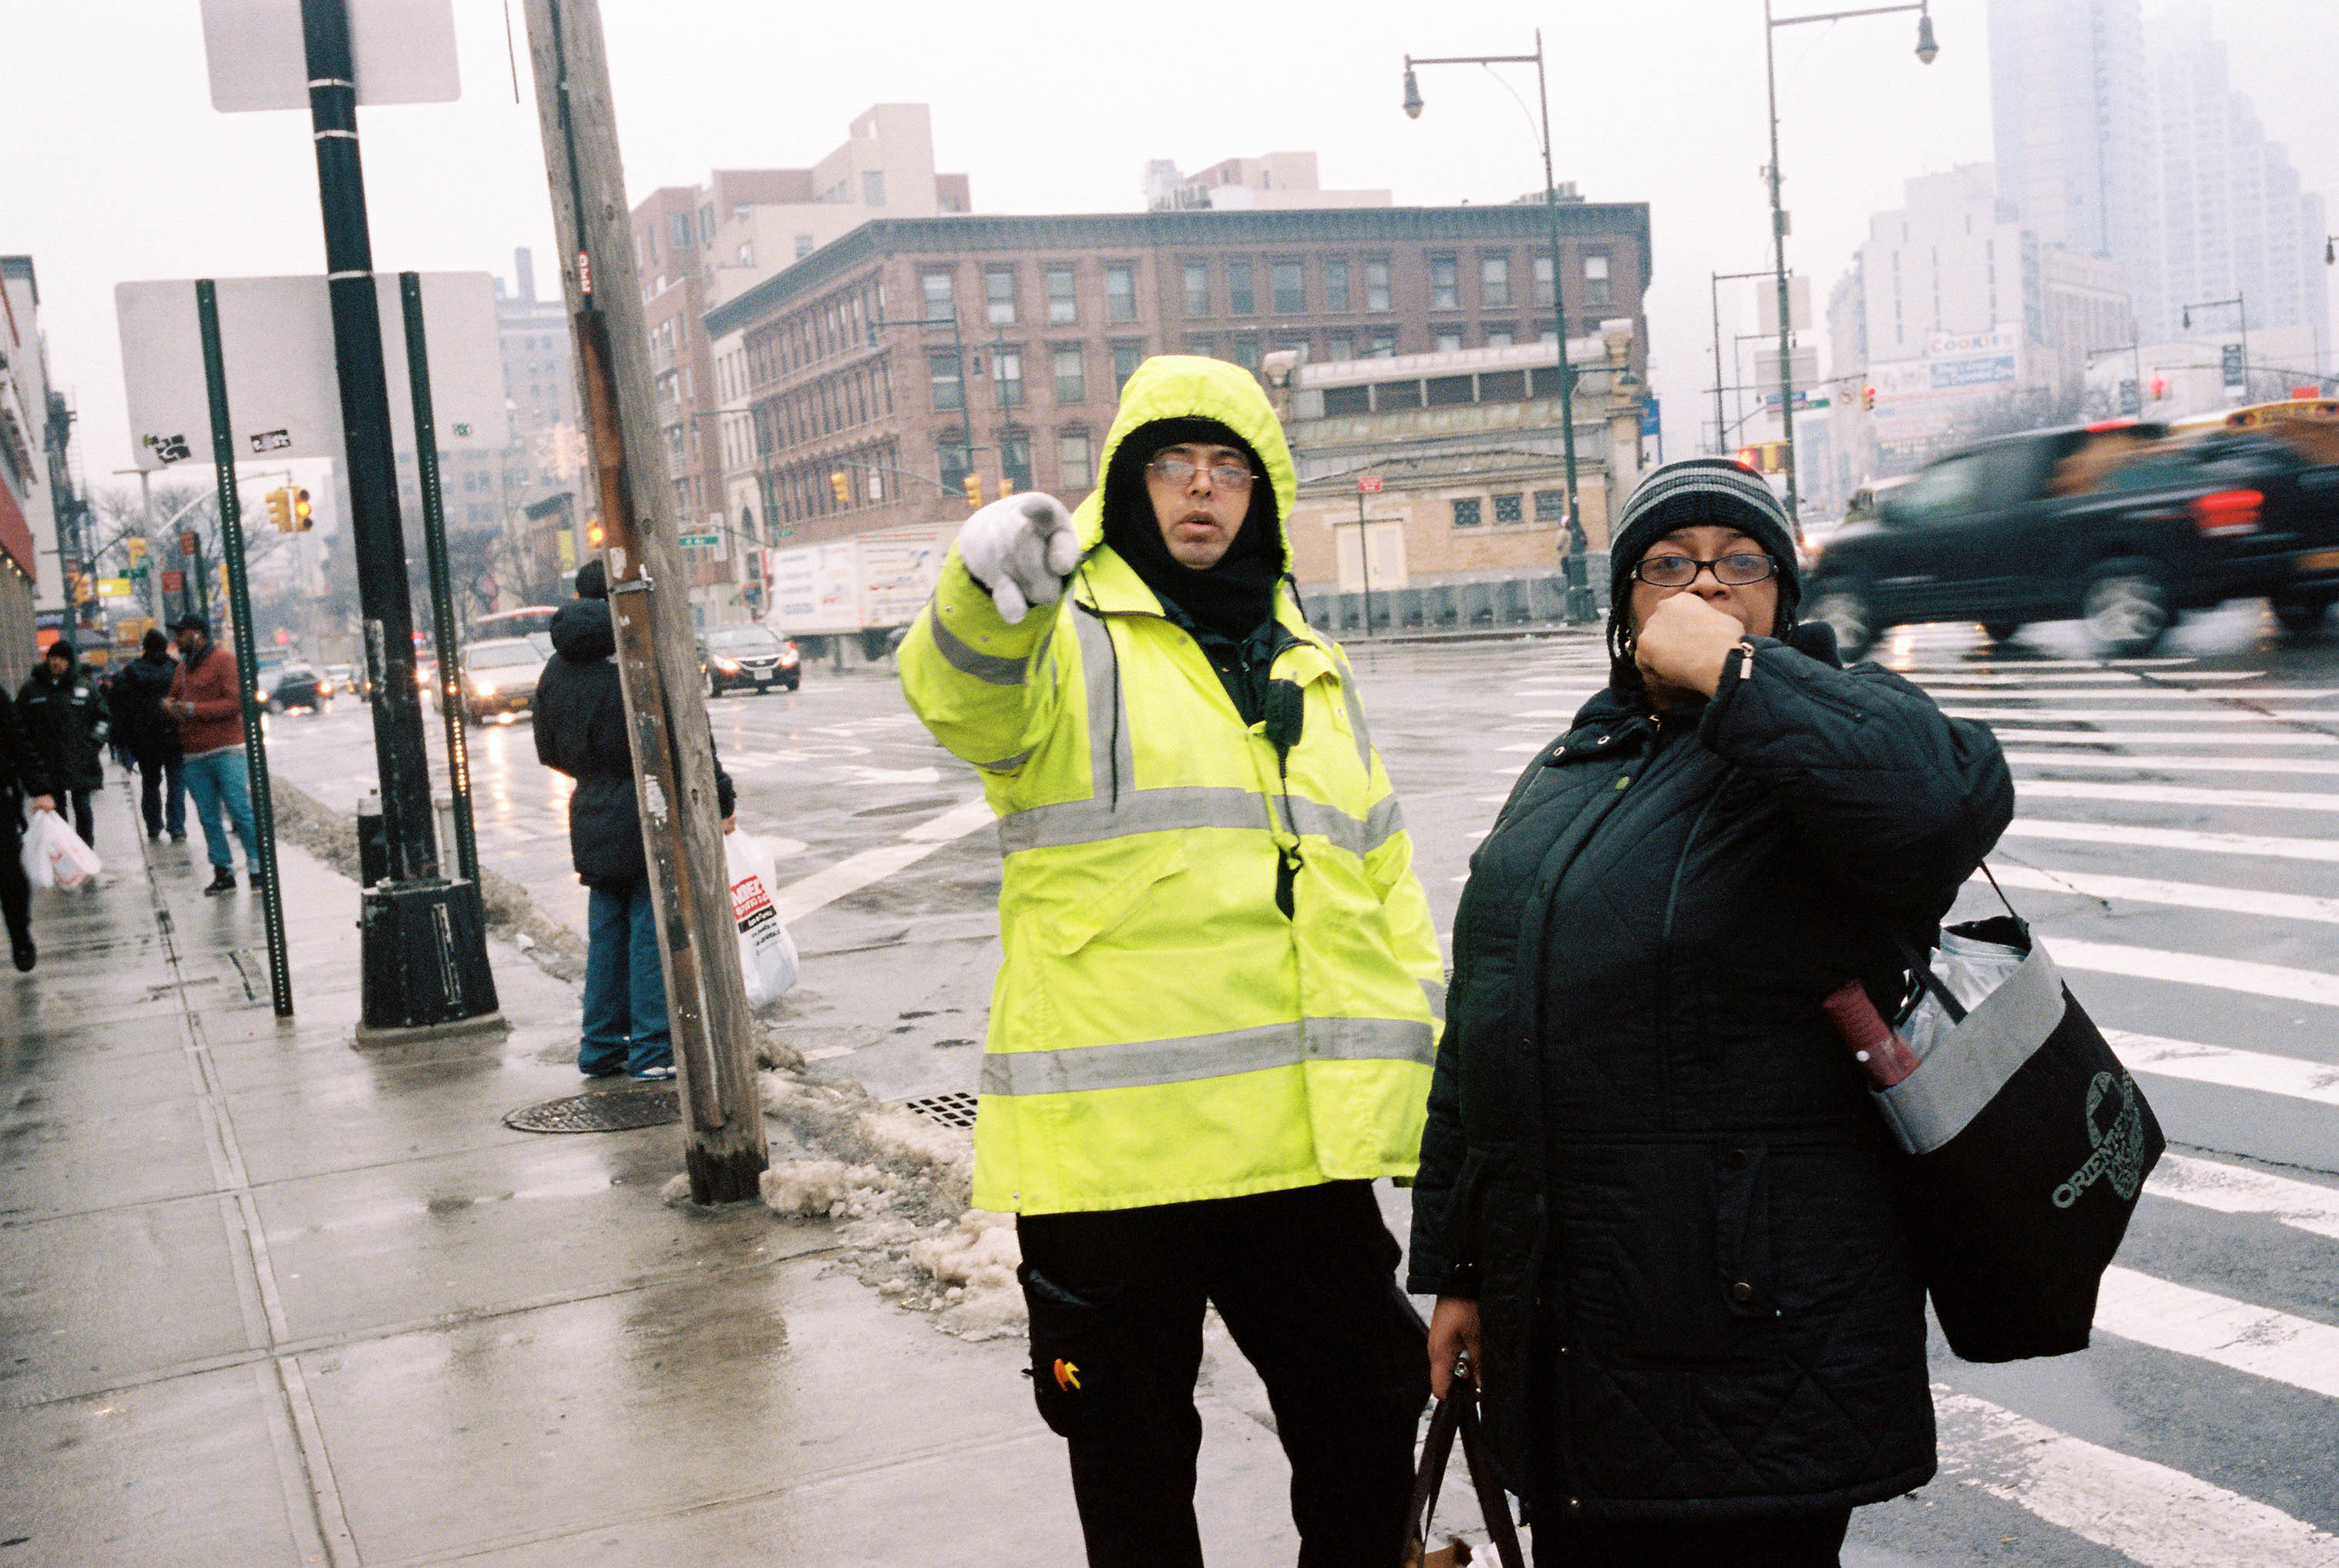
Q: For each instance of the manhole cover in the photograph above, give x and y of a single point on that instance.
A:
(953, 1110)
(609, 1112)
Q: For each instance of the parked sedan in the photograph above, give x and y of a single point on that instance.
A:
(748, 655)
(499, 678)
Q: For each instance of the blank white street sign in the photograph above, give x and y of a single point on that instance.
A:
(404, 52)
(276, 335)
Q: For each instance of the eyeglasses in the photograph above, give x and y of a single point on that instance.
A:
(1679, 571)
(1179, 471)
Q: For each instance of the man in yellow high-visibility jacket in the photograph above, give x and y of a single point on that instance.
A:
(1220, 994)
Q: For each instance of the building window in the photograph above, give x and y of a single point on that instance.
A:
(747, 253)
(1508, 510)
(950, 387)
(1198, 289)
(1495, 282)
(805, 244)
(1501, 336)
(1126, 358)
(956, 463)
(1015, 460)
(1075, 460)
(1383, 346)
(1240, 299)
(1062, 306)
(1340, 345)
(940, 306)
(1336, 286)
(872, 187)
(998, 296)
(682, 231)
(1377, 285)
(1465, 512)
(1444, 283)
(1543, 279)
(1072, 377)
(1551, 506)
(1597, 288)
(1247, 351)
(1120, 293)
(1202, 344)
(1348, 400)
(1007, 370)
(1446, 342)
(1289, 281)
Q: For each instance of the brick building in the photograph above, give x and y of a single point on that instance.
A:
(879, 356)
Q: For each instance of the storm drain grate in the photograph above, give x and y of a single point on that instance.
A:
(955, 1109)
(615, 1111)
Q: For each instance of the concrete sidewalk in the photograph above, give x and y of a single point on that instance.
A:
(267, 1300)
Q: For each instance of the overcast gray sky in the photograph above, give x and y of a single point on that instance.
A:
(113, 166)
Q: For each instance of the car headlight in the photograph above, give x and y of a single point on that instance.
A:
(728, 667)
(483, 687)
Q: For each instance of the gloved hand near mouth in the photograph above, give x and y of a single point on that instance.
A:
(1020, 549)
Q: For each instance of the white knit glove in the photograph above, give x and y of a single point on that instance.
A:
(1020, 548)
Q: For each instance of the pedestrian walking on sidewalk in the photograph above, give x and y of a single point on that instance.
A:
(67, 718)
(24, 783)
(581, 730)
(1214, 1018)
(140, 689)
(206, 701)
(1656, 1207)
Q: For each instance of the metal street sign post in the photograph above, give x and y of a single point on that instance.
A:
(256, 746)
(673, 758)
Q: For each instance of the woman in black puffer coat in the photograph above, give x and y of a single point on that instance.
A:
(1654, 1203)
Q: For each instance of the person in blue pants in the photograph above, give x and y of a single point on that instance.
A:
(581, 731)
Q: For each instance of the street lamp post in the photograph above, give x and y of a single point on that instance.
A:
(2241, 306)
(1580, 607)
(1926, 51)
(1720, 418)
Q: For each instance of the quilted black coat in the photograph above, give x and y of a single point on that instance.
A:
(1648, 1154)
(581, 730)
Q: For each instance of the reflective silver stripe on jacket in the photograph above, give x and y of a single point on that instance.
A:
(1112, 754)
(1139, 1063)
(967, 660)
(1382, 822)
(1175, 806)
(1433, 992)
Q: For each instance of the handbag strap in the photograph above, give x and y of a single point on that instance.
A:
(1922, 966)
(1456, 1414)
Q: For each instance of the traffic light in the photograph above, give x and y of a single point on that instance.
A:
(2159, 388)
(593, 534)
(137, 549)
(974, 484)
(840, 485)
(1867, 399)
(1006, 485)
(1749, 458)
(302, 521)
(280, 509)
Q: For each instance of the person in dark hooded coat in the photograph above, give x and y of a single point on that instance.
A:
(1656, 1205)
(152, 736)
(68, 720)
(581, 731)
(23, 781)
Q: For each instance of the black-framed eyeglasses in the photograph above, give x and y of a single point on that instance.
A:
(1736, 570)
(1180, 471)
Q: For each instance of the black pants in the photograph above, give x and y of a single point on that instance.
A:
(1305, 1281)
(16, 893)
(1813, 1541)
(154, 771)
(82, 822)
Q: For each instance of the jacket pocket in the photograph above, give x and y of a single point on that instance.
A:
(1073, 928)
(1688, 1276)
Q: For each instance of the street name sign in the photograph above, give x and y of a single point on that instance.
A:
(403, 51)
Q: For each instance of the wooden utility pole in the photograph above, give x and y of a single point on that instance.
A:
(650, 598)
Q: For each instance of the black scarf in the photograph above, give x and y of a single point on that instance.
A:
(1235, 596)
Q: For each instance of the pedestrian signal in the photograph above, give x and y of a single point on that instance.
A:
(1006, 485)
(841, 486)
(304, 519)
(2159, 388)
(974, 484)
(1749, 458)
(593, 533)
(280, 509)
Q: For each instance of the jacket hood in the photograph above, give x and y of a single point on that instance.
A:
(1187, 387)
(72, 657)
(582, 631)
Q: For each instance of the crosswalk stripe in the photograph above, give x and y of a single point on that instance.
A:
(2098, 665)
(2213, 1184)
(2153, 1515)
(2177, 794)
(2295, 1077)
(2193, 764)
(2168, 738)
(2307, 985)
(2137, 715)
(2258, 1340)
(1997, 692)
(2272, 848)
(2180, 895)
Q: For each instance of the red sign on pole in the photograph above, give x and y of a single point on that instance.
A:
(174, 582)
(1370, 485)
(189, 542)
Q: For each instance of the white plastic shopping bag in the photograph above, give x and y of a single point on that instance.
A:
(54, 855)
(767, 955)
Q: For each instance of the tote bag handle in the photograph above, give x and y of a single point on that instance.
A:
(1458, 1415)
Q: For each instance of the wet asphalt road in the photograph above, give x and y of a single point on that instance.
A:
(2176, 842)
